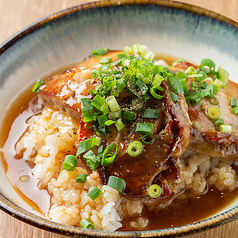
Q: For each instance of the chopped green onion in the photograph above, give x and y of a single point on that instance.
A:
(128, 50)
(114, 115)
(197, 124)
(119, 124)
(195, 86)
(101, 120)
(225, 128)
(233, 102)
(100, 151)
(219, 122)
(148, 139)
(235, 110)
(96, 130)
(142, 86)
(202, 76)
(184, 85)
(109, 122)
(157, 80)
(191, 70)
(37, 85)
(97, 102)
(91, 160)
(87, 110)
(204, 85)
(174, 97)
(70, 162)
(223, 75)
(208, 91)
(113, 104)
(134, 149)
(175, 85)
(219, 83)
(154, 94)
(128, 116)
(116, 183)
(154, 191)
(94, 73)
(88, 125)
(143, 48)
(105, 109)
(88, 144)
(181, 75)
(94, 193)
(208, 66)
(81, 178)
(214, 101)
(194, 98)
(213, 113)
(120, 85)
(105, 69)
(109, 158)
(86, 224)
(99, 52)
(105, 60)
(149, 55)
(144, 128)
(150, 113)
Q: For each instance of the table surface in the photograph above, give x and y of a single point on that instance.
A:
(17, 14)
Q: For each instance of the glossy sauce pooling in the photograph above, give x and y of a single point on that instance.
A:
(180, 212)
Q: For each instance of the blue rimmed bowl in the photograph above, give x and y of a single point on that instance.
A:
(69, 36)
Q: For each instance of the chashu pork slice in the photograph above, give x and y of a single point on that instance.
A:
(64, 90)
(208, 139)
(158, 162)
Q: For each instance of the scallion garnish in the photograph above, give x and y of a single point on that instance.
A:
(109, 154)
(233, 102)
(94, 193)
(99, 52)
(219, 122)
(116, 183)
(197, 124)
(119, 124)
(225, 128)
(195, 86)
(113, 104)
(81, 178)
(219, 83)
(87, 110)
(144, 128)
(88, 144)
(97, 102)
(128, 116)
(223, 75)
(175, 85)
(154, 93)
(148, 139)
(100, 151)
(213, 113)
(105, 60)
(154, 191)
(135, 148)
(150, 113)
(37, 85)
(235, 110)
(208, 66)
(91, 160)
(70, 162)
(86, 224)
(94, 73)
(174, 97)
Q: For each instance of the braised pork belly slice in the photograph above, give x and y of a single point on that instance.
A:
(64, 90)
(157, 163)
(208, 139)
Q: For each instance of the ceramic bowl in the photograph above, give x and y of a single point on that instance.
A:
(69, 36)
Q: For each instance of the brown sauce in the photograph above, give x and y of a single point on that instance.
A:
(179, 212)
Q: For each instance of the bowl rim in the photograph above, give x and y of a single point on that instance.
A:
(16, 211)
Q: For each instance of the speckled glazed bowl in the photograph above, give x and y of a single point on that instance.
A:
(69, 36)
